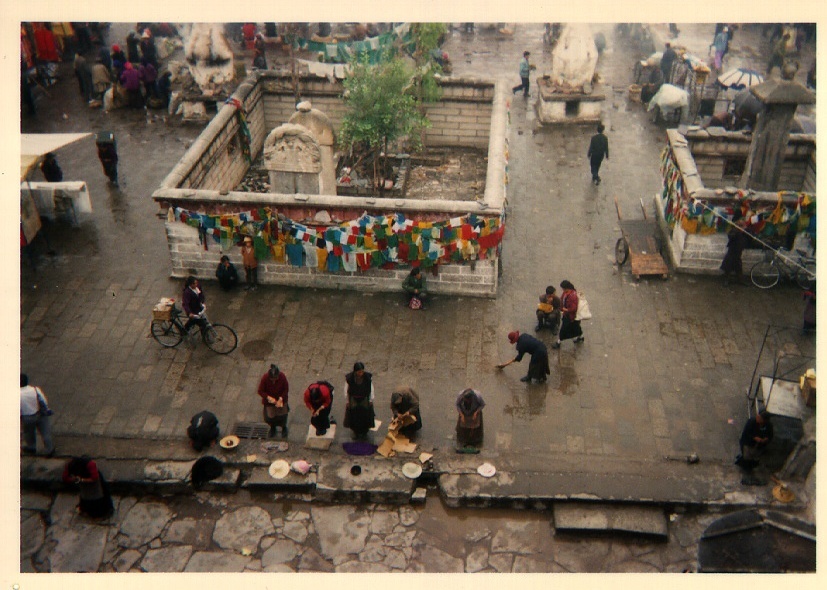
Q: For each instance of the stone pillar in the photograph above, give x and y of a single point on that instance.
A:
(321, 127)
(772, 132)
(293, 157)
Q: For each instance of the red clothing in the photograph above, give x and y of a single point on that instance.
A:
(44, 39)
(326, 400)
(276, 388)
(91, 473)
(569, 301)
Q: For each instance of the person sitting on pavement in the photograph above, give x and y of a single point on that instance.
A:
(416, 289)
(226, 273)
(192, 300)
(273, 389)
(318, 397)
(95, 498)
(548, 311)
(755, 437)
(469, 418)
(538, 368)
(203, 430)
(404, 403)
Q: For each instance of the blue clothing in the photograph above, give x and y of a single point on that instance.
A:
(524, 68)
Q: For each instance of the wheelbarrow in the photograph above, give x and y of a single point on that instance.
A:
(640, 244)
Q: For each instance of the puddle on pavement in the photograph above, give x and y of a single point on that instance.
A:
(257, 350)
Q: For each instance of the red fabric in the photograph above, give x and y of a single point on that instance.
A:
(466, 232)
(363, 260)
(91, 469)
(326, 397)
(276, 388)
(569, 301)
(44, 40)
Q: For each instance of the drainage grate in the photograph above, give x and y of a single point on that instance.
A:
(251, 430)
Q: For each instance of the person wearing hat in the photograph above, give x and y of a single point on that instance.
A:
(248, 258)
(118, 60)
(405, 403)
(359, 413)
(318, 397)
(538, 368)
(273, 389)
(525, 72)
(469, 417)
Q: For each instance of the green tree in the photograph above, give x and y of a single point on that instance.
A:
(382, 107)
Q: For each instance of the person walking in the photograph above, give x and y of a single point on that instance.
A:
(95, 499)
(108, 155)
(273, 389)
(598, 149)
(721, 45)
(359, 413)
(571, 327)
(525, 72)
(35, 417)
(538, 368)
(248, 258)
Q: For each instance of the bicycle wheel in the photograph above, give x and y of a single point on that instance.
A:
(167, 333)
(765, 275)
(806, 277)
(220, 338)
(621, 251)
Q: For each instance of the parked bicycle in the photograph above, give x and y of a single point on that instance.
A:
(170, 332)
(795, 266)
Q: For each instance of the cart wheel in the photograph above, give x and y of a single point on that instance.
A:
(621, 251)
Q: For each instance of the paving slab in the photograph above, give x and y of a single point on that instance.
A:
(167, 559)
(78, 549)
(242, 528)
(217, 562)
(647, 520)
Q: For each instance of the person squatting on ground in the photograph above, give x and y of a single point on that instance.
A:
(755, 437)
(359, 413)
(318, 397)
(416, 288)
(525, 72)
(273, 389)
(548, 311)
(571, 327)
(95, 499)
(35, 417)
(248, 258)
(226, 273)
(192, 300)
(538, 368)
(598, 149)
(405, 402)
(469, 418)
(203, 430)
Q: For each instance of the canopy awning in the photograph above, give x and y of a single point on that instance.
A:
(35, 145)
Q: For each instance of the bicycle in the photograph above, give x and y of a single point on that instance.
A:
(170, 332)
(796, 266)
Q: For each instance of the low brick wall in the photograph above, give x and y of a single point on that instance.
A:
(472, 113)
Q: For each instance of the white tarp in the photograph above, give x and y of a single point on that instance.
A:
(58, 198)
(574, 57)
(35, 145)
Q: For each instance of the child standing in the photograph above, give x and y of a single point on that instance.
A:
(248, 256)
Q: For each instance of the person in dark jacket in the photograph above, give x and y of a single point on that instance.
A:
(538, 368)
(148, 49)
(164, 86)
(666, 62)
(273, 388)
(415, 287)
(148, 75)
(203, 430)
(132, 42)
(108, 155)
(95, 498)
(226, 273)
(192, 300)
(404, 403)
(359, 413)
(598, 149)
(118, 60)
(51, 169)
(755, 437)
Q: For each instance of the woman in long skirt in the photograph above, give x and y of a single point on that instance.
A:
(404, 403)
(571, 327)
(538, 368)
(469, 419)
(359, 414)
(95, 499)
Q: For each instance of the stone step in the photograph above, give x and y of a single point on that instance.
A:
(577, 517)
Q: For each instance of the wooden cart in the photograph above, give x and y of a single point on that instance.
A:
(640, 242)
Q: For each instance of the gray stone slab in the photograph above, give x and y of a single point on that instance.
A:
(342, 530)
(125, 561)
(477, 560)
(282, 551)
(144, 522)
(78, 549)
(434, 560)
(32, 500)
(217, 562)
(648, 520)
(259, 477)
(295, 531)
(311, 561)
(521, 537)
(380, 481)
(384, 520)
(243, 528)
(360, 567)
(171, 559)
(191, 531)
(32, 533)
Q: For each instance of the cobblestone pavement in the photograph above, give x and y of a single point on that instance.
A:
(248, 533)
(663, 370)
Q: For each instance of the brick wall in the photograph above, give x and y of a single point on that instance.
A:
(471, 113)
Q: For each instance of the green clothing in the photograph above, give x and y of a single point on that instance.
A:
(414, 283)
